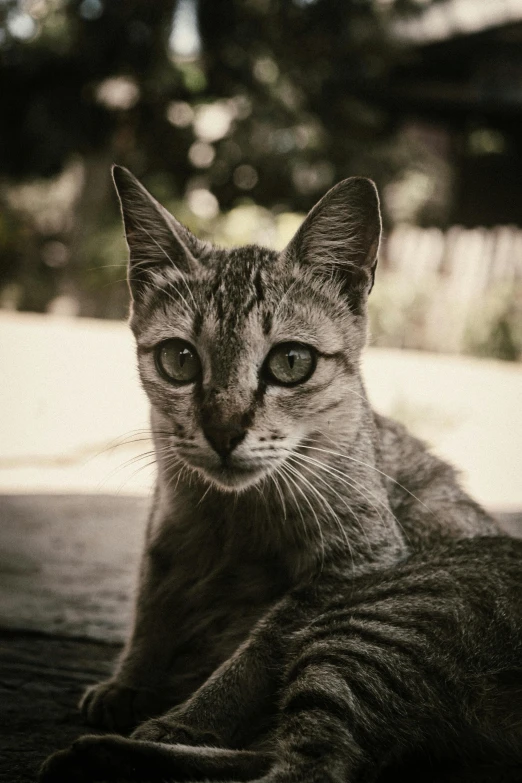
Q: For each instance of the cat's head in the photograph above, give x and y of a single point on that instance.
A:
(246, 354)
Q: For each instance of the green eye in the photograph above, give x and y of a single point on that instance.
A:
(290, 363)
(177, 361)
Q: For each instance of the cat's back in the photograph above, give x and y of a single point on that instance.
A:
(424, 491)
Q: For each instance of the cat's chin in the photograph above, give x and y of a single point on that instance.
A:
(232, 479)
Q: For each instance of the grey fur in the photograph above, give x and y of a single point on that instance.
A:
(318, 485)
(424, 655)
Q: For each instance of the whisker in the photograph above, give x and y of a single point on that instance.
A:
(372, 467)
(203, 496)
(286, 295)
(121, 266)
(126, 464)
(133, 475)
(169, 296)
(183, 280)
(284, 477)
(334, 514)
(286, 469)
(365, 493)
(321, 498)
(350, 482)
(128, 439)
(273, 477)
(132, 461)
(356, 519)
(171, 261)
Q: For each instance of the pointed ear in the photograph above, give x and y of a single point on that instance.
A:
(340, 237)
(155, 238)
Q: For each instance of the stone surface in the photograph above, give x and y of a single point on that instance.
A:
(41, 681)
(68, 563)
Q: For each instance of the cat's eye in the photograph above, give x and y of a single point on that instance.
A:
(177, 361)
(290, 363)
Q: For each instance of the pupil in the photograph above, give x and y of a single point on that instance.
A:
(182, 357)
(291, 359)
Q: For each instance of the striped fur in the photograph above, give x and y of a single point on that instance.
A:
(354, 676)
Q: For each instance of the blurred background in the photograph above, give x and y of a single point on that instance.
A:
(239, 115)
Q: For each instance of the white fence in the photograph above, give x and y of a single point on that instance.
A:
(444, 291)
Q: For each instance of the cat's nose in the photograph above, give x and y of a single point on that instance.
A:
(224, 439)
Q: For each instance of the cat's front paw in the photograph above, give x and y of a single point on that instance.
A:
(88, 759)
(116, 707)
(171, 731)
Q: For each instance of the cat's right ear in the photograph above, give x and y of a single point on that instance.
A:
(155, 238)
(340, 238)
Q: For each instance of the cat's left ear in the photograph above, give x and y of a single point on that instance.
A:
(340, 237)
(155, 238)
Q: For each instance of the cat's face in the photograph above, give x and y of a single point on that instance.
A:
(245, 354)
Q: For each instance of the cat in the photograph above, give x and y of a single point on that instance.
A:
(360, 672)
(261, 480)
(273, 469)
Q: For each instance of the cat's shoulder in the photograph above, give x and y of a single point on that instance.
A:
(395, 440)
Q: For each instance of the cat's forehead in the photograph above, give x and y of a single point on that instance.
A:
(236, 282)
(243, 296)
(253, 293)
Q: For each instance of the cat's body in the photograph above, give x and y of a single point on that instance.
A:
(274, 473)
(351, 676)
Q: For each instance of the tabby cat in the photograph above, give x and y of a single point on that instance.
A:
(275, 477)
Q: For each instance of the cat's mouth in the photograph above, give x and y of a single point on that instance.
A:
(231, 474)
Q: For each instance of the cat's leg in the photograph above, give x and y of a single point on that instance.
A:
(321, 741)
(317, 741)
(357, 694)
(113, 758)
(222, 711)
(139, 687)
(216, 715)
(243, 689)
(92, 759)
